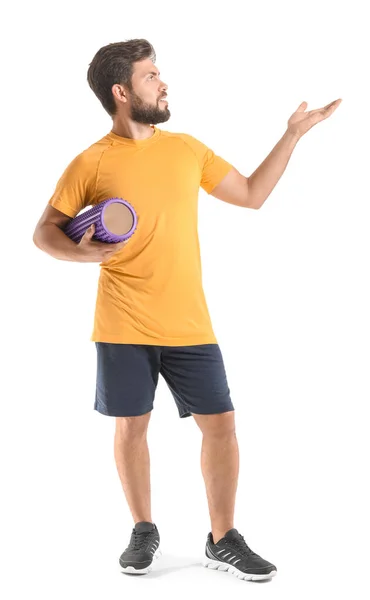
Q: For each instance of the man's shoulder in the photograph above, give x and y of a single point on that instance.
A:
(91, 154)
(97, 147)
(85, 163)
(188, 140)
(186, 137)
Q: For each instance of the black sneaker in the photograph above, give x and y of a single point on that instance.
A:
(142, 549)
(232, 554)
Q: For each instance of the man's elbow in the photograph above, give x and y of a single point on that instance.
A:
(255, 207)
(36, 237)
(250, 201)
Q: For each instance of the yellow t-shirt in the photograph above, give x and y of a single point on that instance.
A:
(150, 291)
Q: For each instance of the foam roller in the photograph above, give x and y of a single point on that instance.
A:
(115, 221)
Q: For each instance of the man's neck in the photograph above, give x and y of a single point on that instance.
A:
(132, 130)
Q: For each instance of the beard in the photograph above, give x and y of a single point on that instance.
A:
(145, 113)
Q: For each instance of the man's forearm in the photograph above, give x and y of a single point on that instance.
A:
(265, 177)
(52, 240)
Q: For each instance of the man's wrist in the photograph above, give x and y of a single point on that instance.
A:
(292, 137)
(79, 254)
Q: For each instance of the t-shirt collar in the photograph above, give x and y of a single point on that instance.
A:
(133, 142)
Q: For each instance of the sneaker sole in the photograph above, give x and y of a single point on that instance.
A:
(131, 569)
(221, 566)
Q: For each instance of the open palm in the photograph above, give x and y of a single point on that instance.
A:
(300, 121)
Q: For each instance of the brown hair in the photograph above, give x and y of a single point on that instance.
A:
(114, 64)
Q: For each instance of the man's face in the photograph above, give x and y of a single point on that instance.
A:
(146, 98)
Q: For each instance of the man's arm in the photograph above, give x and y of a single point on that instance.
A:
(234, 189)
(252, 191)
(49, 237)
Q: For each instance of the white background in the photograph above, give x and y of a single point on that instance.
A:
(287, 288)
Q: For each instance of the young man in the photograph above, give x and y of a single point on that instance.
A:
(151, 314)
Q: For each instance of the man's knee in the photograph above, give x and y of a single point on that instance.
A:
(221, 424)
(133, 426)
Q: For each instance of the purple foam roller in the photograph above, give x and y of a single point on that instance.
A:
(115, 221)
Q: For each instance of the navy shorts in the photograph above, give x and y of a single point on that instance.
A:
(127, 377)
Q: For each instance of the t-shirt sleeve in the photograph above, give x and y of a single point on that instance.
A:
(75, 188)
(213, 167)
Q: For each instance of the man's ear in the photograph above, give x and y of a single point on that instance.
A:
(119, 92)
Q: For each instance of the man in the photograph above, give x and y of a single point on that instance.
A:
(151, 314)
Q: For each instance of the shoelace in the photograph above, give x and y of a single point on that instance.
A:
(242, 545)
(139, 538)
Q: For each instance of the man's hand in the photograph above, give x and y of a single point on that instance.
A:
(90, 250)
(300, 122)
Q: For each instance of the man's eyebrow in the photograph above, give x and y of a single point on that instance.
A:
(153, 73)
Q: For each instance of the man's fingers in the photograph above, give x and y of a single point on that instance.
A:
(90, 231)
(325, 108)
(121, 244)
(114, 248)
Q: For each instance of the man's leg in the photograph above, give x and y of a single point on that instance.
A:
(220, 468)
(131, 454)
